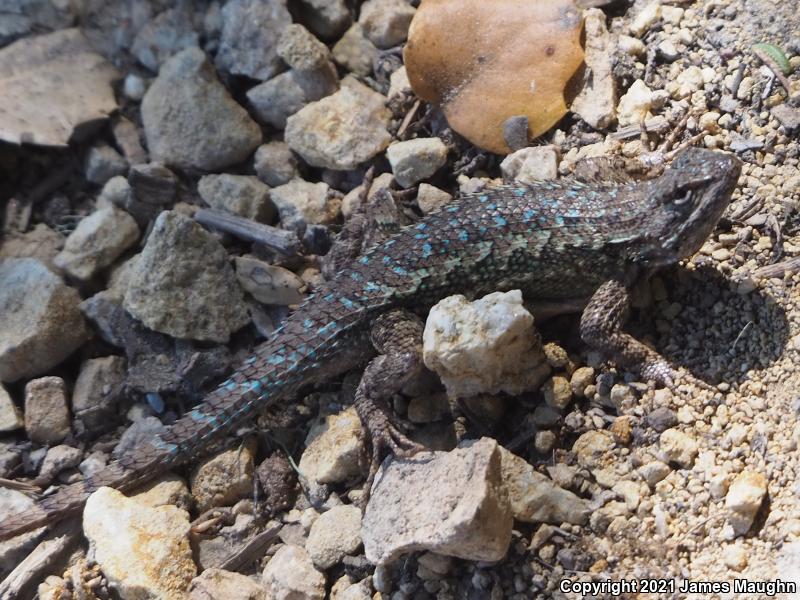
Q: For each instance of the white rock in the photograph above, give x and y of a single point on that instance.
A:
(301, 203)
(214, 584)
(46, 412)
(488, 345)
(334, 450)
(634, 106)
(143, 552)
(399, 83)
(290, 575)
(646, 17)
(242, 195)
(335, 534)
(744, 499)
(735, 557)
(416, 159)
(528, 165)
(596, 102)
(678, 448)
(465, 514)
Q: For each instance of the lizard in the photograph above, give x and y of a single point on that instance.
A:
(557, 241)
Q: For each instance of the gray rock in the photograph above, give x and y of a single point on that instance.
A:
(58, 459)
(789, 116)
(134, 87)
(355, 52)
(97, 242)
(42, 324)
(417, 159)
(183, 285)
(275, 163)
(126, 135)
(466, 514)
(10, 415)
(662, 418)
(326, 18)
(15, 550)
(301, 50)
(250, 30)
(527, 165)
(138, 434)
(300, 203)
(41, 243)
(46, 412)
(267, 283)
(188, 134)
(386, 22)
(242, 195)
(291, 574)
(335, 534)
(163, 36)
(152, 188)
(103, 163)
(97, 390)
(216, 583)
(276, 100)
(341, 131)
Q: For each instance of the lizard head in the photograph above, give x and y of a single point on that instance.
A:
(689, 199)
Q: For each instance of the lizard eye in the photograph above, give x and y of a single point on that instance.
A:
(684, 198)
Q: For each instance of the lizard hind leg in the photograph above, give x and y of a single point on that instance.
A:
(397, 336)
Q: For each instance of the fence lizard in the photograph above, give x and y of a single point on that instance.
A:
(556, 241)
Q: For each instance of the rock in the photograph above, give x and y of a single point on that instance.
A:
(216, 583)
(345, 589)
(57, 459)
(301, 50)
(301, 203)
(386, 22)
(275, 163)
(267, 283)
(431, 198)
(488, 345)
(534, 498)
(151, 189)
(141, 432)
(596, 102)
(744, 499)
(250, 31)
(143, 552)
(335, 534)
(103, 163)
(335, 449)
(593, 448)
(528, 165)
(557, 392)
(788, 116)
(97, 242)
(326, 18)
(10, 415)
(582, 378)
(223, 479)
(646, 17)
(735, 557)
(216, 550)
(46, 412)
(416, 159)
(290, 575)
(183, 285)
(166, 489)
(134, 87)
(242, 195)
(341, 131)
(188, 134)
(126, 136)
(277, 99)
(355, 52)
(662, 418)
(634, 106)
(42, 324)
(100, 385)
(16, 549)
(399, 84)
(163, 36)
(678, 448)
(41, 243)
(466, 514)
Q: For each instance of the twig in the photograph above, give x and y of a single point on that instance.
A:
(778, 270)
(408, 118)
(255, 547)
(280, 240)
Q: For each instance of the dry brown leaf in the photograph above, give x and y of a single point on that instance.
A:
(51, 84)
(485, 61)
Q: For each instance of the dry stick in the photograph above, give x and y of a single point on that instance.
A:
(254, 548)
(778, 270)
(280, 240)
(408, 118)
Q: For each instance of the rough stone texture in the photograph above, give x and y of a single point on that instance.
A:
(222, 479)
(488, 345)
(46, 411)
(326, 18)
(169, 32)
(144, 552)
(465, 514)
(386, 22)
(275, 163)
(269, 284)
(335, 534)
(183, 285)
(678, 448)
(301, 203)
(597, 101)
(431, 198)
(100, 385)
(242, 195)
(97, 242)
(355, 52)
(290, 575)
(535, 498)
(57, 459)
(167, 489)
(416, 159)
(41, 243)
(593, 448)
(103, 163)
(527, 165)
(744, 499)
(250, 31)
(334, 449)
(15, 550)
(343, 130)
(301, 50)
(10, 415)
(188, 134)
(214, 584)
(42, 324)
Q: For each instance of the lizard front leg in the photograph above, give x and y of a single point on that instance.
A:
(601, 328)
(397, 336)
